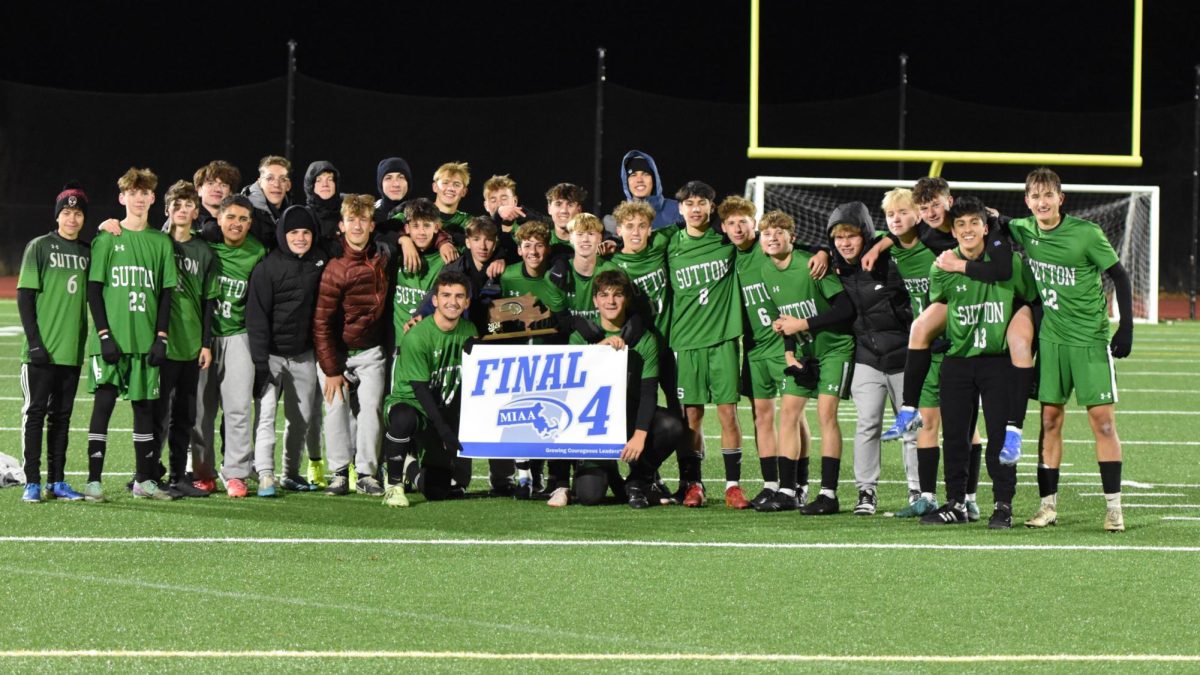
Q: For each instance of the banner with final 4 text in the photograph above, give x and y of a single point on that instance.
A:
(543, 402)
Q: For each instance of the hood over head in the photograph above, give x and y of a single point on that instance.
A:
(316, 169)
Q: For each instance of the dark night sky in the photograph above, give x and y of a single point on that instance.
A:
(1062, 55)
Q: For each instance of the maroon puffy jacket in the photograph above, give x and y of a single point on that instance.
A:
(350, 306)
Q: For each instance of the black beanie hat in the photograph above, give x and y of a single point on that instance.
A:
(391, 165)
(73, 197)
(297, 217)
(638, 164)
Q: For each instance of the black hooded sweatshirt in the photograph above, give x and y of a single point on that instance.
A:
(327, 211)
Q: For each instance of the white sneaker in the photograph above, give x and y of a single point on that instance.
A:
(560, 497)
(1114, 520)
(1047, 515)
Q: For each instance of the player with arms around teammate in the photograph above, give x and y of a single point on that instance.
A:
(425, 394)
(976, 367)
(130, 283)
(1067, 256)
(52, 302)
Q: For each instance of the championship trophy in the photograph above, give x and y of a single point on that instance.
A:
(517, 318)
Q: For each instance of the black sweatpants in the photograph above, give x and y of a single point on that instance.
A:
(49, 397)
(175, 413)
(662, 439)
(964, 381)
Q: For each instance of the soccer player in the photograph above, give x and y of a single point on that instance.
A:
(1067, 256)
(229, 380)
(52, 303)
(653, 432)
(188, 353)
(501, 202)
(214, 182)
(348, 331)
(425, 394)
(393, 177)
(564, 201)
(705, 326)
(269, 196)
(423, 223)
(279, 312)
(976, 366)
(641, 183)
(818, 312)
(130, 283)
(450, 183)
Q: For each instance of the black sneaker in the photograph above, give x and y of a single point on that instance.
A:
(778, 501)
(339, 486)
(761, 498)
(866, 503)
(636, 496)
(661, 494)
(821, 506)
(172, 491)
(185, 488)
(503, 487)
(1001, 518)
(950, 513)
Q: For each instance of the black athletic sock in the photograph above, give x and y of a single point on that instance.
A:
(1047, 479)
(1019, 396)
(973, 468)
(802, 472)
(770, 468)
(787, 473)
(395, 452)
(102, 409)
(145, 449)
(927, 468)
(733, 464)
(831, 468)
(1110, 477)
(915, 369)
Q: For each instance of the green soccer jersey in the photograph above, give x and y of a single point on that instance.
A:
(134, 269)
(234, 264)
(1066, 262)
(797, 294)
(412, 287)
(913, 264)
(197, 269)
(759, 340)
(515, 282)
(641, 367)
(430, 355)
(577, 296)
(647, 269)
(704, 302)
(57, 269)
(977, 313)
(556, 241)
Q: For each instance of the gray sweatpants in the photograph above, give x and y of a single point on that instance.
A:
(229, 384)
(870, 389)
(295, 381)
(368, 366)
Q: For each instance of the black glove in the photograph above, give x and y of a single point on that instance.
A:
(109, 351)
(449, 438)
(158, 351)
(262, 380)
(38, 355)
(470, 344)
(808, 375)
(1122, 340)
(939, 346)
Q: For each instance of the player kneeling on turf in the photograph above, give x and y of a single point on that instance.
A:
(425, 393)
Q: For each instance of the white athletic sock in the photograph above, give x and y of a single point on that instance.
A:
(730, 484)
(788, 491)
(524, 474)
(1051, 500)
(971, 497)
(829, 493)
(928, 495)
(1114, 500)
(772, 485)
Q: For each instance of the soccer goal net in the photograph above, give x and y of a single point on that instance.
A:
(1128, 214)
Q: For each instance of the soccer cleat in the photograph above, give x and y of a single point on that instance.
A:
(972, 510)
(920, 507)
(208, 485)
(636, 496)
(950, 513)
(62, 490)
(694, 497)
(1001, 518)
(913, 495)
(32, 493)
(338, 486)
(367, 485)
(1045, 516)
(187, 489)
(908, 419)
(761, 498)
(296, 484)
(394, 496)
(171, 491)
(93, 491)
(316, 473)
(1114, 520)
(504, 487)
(778, 501)
(661, 494)
(235, 488)
(867, 502)
(412, 469)
(735, 498)
(560, 497)
(266, 484)
(821, 506)
(1010, 454)
(148, 489)
(802, 495)
(524, 489)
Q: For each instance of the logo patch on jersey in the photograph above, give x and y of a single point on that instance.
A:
(961, 288)
(1035, 242)
(119, 247)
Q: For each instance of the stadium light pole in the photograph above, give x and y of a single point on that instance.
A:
(1195, 200)
(599, 150)
(290, 121)
(903, 111)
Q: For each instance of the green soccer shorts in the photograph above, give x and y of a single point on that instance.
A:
(709, 374)
(1087, 370)
(763, 378)
(134, 378)
(837, 372)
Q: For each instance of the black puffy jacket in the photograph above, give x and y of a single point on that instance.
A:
(281, 300)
